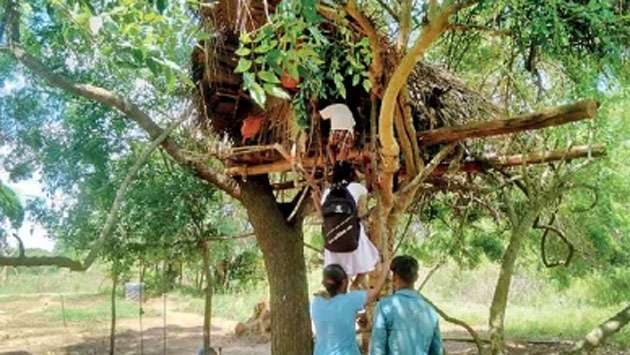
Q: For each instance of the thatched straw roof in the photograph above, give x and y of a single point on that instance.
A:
(438, 98)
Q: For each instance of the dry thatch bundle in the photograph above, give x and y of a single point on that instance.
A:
(437, 97)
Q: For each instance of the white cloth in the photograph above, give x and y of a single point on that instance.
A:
(340, 116)
(365, 257)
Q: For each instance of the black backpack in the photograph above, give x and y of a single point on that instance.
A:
(342, 225)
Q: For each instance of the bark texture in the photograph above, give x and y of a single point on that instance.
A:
(599, 334)
(283, 254)
(499, 301)
(547, 118)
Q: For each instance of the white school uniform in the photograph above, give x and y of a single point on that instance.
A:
(365, 257)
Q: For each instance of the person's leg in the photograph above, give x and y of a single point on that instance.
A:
(330, 149)
(346, 143)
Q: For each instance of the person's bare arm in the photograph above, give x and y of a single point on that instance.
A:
(373, 293)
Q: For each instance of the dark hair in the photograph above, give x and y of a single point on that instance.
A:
(406, 267)
(334, 276)
(343, 171)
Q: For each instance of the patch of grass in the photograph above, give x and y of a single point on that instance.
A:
(98, 308)
(551, 321)
(236, 306)
(52, 280)
(567, 322)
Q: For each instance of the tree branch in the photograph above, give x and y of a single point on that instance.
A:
(550, 117)
(389, 10)
(105, 234)
(390, 150)
(475, 166)
(461, 323)
(405, 24)
(20, 245)
(598, 335)
(132, 111)
(468, 28)
(411, 187)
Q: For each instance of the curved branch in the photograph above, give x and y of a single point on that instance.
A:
(430, 274)
(543, 242)
(409, 190)
(131, 110)
(389, 147)
(461, 323)
(20, 245)
(106, 232)
(595, 200)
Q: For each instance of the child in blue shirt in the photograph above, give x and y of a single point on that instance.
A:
(334, 313)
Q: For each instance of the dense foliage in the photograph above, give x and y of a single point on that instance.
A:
(312, 57)
(523, 55)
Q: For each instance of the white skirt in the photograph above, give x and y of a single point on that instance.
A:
(363, 259)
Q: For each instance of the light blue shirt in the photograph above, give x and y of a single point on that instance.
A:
(404, 324)
(334, 320)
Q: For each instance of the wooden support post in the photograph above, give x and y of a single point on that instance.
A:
(547, 118)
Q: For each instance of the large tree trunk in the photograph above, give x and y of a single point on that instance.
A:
(283, 254)
(502, 289)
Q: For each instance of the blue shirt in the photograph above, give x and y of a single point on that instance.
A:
(404, 324)
(334, 320)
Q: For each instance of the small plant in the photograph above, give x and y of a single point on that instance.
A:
(295, 52)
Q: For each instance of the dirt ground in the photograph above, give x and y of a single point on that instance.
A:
(28, 332)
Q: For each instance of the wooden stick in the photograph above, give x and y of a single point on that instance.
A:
(555, 116)
(468, 167)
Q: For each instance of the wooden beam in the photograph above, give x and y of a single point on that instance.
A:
(555, 116)
(284, 165)
(476, 166)
(508, 161)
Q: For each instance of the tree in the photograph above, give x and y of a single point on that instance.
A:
(113, 42)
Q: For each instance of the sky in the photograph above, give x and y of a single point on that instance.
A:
(32, 234)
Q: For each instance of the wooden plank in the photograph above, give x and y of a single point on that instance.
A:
(508, 161)
(555, 116)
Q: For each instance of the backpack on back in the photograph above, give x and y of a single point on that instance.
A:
(342, 225)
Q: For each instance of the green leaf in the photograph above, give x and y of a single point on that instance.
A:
(243, 51)
(274, 57)
(292, 69)
(265, 47)
(245, 38)
(243, 65)
(258, 94)
(367, 85)
(248, 80)
(356, 78)
(277, 91)
(268, 77)
(342, 91)
(10, 206)
(161, 5)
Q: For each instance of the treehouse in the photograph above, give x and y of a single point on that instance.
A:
(267, 137)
